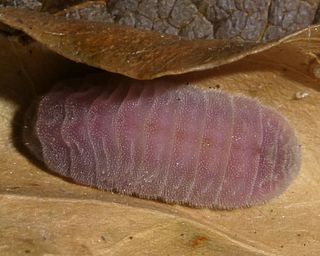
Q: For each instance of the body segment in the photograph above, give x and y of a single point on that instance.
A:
(179, 144)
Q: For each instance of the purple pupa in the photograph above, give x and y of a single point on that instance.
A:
(156, 140)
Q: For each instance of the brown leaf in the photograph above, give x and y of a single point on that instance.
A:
(131, 52)
(141, 54)
(102, 228)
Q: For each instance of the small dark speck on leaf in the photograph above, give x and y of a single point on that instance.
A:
(281, 246)
(198, 240)
(130, 237)
(182, 234)
(27, 251)
(103, 238)
(298, 234)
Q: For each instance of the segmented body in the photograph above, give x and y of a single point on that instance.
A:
(179, 144)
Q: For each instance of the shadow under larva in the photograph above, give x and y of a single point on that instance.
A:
(156, 140)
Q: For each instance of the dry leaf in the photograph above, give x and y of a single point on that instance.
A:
(131, 52)
(134, 53)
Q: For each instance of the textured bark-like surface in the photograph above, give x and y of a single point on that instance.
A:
(30, 4)
(251, 20)
(159, 141)
(246, 20)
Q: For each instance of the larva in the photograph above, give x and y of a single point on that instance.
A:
(177, 144)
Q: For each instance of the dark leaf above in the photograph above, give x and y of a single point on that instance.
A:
(135, 53)
(206, 19)
(246, 20)
(132, 52)
(30, 4)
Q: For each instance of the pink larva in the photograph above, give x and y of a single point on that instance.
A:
(157, 141)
